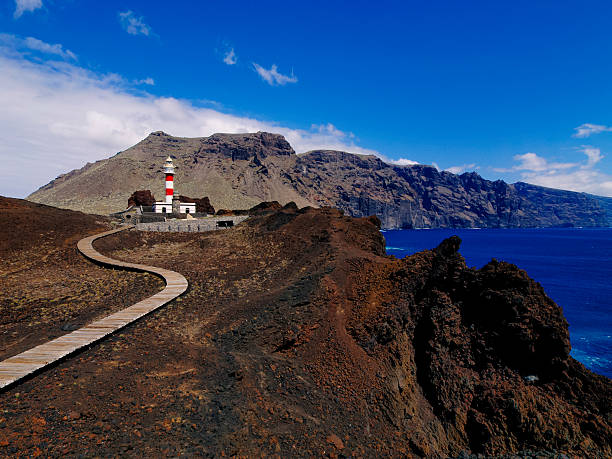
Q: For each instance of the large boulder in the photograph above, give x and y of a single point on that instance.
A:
(141, 198)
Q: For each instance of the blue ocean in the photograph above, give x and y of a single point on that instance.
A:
(573, 265)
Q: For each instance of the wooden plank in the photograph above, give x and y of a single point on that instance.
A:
(14, 369)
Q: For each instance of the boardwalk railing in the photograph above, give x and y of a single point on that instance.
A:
(15, 368)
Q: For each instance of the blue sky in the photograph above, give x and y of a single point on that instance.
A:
(514, 90)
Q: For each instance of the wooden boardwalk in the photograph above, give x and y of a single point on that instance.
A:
(15, 368)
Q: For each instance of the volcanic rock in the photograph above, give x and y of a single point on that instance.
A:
(265, 206)
(225, 212)
(291, 206)
(141, 198)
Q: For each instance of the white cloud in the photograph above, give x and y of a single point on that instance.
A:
(57, 116)
(22, 6)
(34, 44)
(533, 163)
(587, 129)
(402, 162)
(38, 45)
(579, 176)
(462, 168)
(330, 129)
(148, 81)
(584, 180)
(230, 57)
(593, 154)
(134, 25)
(273, 77)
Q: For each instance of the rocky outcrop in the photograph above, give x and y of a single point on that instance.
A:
(261, 208)
(265, 206)
(484, 352)
(238, 171)
(225, 212)
(141, 198)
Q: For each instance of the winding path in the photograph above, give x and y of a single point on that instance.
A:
(15, 368)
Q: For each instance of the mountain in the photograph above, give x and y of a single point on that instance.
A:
(237, 171)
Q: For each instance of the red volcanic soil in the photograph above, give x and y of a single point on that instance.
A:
(47, 288)
(299, 337)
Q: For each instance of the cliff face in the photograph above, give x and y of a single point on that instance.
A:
(240, 170)
(308, 342)
(422, 197)
(606, 204)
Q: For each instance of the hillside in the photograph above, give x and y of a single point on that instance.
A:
(237, 171)
(311, 342)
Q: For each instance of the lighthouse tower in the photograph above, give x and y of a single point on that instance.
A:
(169, 171)
(166, 206)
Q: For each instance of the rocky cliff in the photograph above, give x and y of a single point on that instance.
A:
(606, 204)
(239, 170)
(420, 196)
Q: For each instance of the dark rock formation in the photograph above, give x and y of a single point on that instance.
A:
(483, 352)
(225, 212)
(202, 205)
(246, 146)
(265, 206)
(261, 208)
(141, 198)
(291, 206)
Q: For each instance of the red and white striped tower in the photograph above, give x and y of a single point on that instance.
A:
(169, 170)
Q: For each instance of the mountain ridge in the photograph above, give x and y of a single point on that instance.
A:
(240, 170)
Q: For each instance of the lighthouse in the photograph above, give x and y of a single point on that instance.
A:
(169, 171)
(171, 205)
